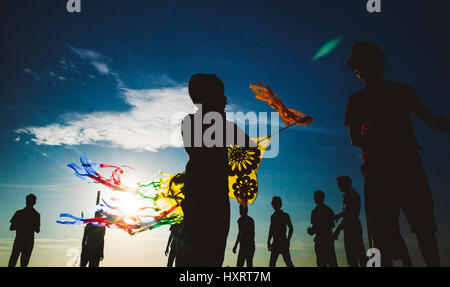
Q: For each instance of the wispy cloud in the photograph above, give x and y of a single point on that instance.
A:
(152, 123)
(32, 73)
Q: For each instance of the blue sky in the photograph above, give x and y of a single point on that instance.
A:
(86, 83)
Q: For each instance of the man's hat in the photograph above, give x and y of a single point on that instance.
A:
(366, 53)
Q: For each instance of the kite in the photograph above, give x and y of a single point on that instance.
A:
(159, 202)
(326, 48)
(155, 203)
(287, 115)
(88, 173)
(243, 165)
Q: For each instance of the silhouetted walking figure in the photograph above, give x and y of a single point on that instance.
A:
(246, 238)
(353, 241)
(93, 244)
(378, 118)
(400, 248)
(279, 222)
(206, 206)
(322, 223)
(172, 242)
(25, 222)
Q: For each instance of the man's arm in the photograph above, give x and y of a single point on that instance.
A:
(269, 245)
(353, 120)
(102, 244)
(418, 108)
(238, 239)
(14, 222)
(83, 241)
(338, 230)
(356, 138)
(38, 225)
(312, 229)
(290, 227)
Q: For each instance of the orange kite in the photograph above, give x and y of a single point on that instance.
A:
(287, 115)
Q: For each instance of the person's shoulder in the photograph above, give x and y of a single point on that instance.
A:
(356, 98)
(357, 95)
(327, 208)
(400, 87)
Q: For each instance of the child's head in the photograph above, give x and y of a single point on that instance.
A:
(344, 183)
(276, 202)
(208, 90)
(30, 200)
(367, 61)
(243, 210)
(319, 197)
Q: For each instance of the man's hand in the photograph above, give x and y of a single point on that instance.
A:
(269, 246)
(310, 231)
(336, 235)
(234, 249)
(166, 252)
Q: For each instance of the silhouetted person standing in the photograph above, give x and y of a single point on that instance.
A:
(279, 222)
(322, 223)
(172, 242)
(93, 244)
(353, 240)
(401, 250)
(25, 222)
(206, 206)
(378, 118)
(246, 238)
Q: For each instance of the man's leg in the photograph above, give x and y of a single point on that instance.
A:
(94, 262)
(14, 254)
(250, 257)
(287, 257)
(241, 257)
(429, 248)
(171, 258)
(26, 254)
(273, 257)
(84, 258)
(350, 253)
(333, 259)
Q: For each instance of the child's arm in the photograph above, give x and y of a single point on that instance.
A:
(269, 245)
(338, 230)
(238, 239)
(291, 228)
(418, 108)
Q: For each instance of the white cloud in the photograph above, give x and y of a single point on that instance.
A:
(85, 53)
(17, 139)
(32, 73)
(102, 68)
(149, 125)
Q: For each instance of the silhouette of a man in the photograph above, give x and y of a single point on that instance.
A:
(172, 243)
(322, 223)
(246, 238)
(25, 222)
(93, 244)
(353, 241)
(401, 251)
(279, 222)
(378, 118)
(206, 206)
